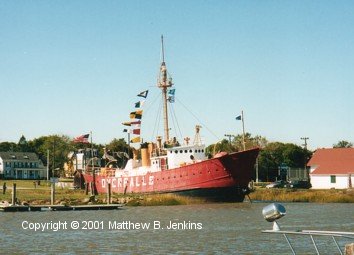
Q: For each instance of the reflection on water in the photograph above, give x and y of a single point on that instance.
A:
(225, 229)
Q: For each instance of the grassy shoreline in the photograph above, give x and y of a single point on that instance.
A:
(27, 192)
(303, 195)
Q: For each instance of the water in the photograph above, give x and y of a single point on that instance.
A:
(225, 229)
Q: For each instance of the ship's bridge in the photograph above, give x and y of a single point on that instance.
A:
(182, 155)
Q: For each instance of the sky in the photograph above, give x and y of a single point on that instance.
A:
(71, 67)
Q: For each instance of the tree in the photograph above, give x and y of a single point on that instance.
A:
(58, 146)
(250, 142)
(8, 146)
(276, 154)
(343, 144)
(236, 144)
(23, 144)
(223, 145)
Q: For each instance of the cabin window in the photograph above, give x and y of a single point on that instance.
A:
(190, 151)
(333, 179)
(180, 151)
(185, 151)
(176, 151)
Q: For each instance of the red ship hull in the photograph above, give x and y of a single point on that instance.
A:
(224, 178)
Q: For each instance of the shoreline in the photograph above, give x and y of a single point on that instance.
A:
(40, 195)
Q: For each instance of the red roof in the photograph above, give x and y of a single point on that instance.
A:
(333, 161)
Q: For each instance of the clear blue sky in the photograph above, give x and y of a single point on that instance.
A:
(69, 67)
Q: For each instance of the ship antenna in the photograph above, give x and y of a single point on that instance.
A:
(164, 83)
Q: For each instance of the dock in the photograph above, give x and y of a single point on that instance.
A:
(14, 207)
(38, 208)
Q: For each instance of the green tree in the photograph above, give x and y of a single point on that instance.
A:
(275, 154)
(343, 144)
(23, 144)
(236, 144)
(250, 142)
(58, 146)
(8, 146)
(223, 145)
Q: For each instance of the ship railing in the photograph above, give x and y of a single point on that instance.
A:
(275, 211)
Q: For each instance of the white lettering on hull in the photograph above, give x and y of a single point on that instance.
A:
(118, 183)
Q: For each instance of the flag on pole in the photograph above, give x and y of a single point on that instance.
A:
(136, 115)
(135, 140)
(129, 123)
(171, 99)
(135, 131)
(239, 117)
(172, 92)
(139, 104)
(143, 94)
(81, 139)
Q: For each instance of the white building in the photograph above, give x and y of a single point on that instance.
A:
(332, 168)
(21, 165)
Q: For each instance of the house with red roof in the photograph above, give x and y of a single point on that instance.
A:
(332, 168)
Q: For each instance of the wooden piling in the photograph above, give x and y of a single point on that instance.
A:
(52, 193)
(109, 195)
(4, 188)
(14, 199)
(349, 249)
(86, 188)
(92, 189)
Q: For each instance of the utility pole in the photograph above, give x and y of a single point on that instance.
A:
(305, 142)
(93, 169)
(48, 165)
(243, 131)
(305, 147)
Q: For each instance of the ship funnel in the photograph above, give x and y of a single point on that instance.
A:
(145, 155)
(159, 142)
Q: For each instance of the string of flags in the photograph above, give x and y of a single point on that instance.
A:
(135, 119)
(136, 116)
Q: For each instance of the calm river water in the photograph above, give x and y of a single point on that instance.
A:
(217, 229)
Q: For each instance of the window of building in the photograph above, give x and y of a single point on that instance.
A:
(333, 179)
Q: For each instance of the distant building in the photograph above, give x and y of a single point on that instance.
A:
(78, 160)
(21, 165)
(332, 168)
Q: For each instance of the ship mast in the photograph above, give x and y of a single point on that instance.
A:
(164, 83)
